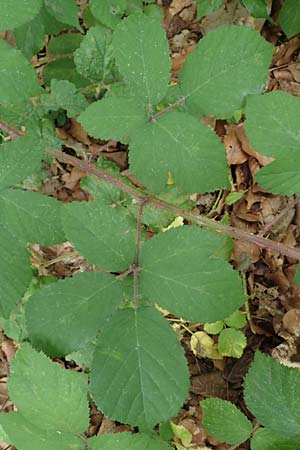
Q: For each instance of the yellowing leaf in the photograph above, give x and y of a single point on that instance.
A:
(182, 433)
(203, 346)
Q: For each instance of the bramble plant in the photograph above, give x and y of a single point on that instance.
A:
(115, 80)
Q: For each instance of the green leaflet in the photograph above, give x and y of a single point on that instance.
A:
(64, 44)
(26, 436)
(265, 439)
(104, 234)
(125, 441)
(180, 273)
(64, 95)
(108, 12)
(113, 118)
(15, 13)
(257, 8)
(272, 391)
(228, 64)
(15, 272)
(63, 69)
(205, 7)
(31, 217)
(272, 127)
(179, 144)
(289, 17)
(231, 343)
(64, 11)
(23, 84)
(272, 123)
(224, 421)
(142, 55)
(93, 59)
(133, 379)
(73, 311)
(18, 159)
(48, 396)
(30, 36)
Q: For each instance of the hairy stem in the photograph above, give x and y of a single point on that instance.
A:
(135, 265)
(210, 224)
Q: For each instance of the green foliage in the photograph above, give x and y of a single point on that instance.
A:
(224, 421)
(132, 368)
(206, 7)
(257, 8)
(289, 17)
(116, 78)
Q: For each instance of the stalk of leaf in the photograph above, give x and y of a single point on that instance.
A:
(210, 224)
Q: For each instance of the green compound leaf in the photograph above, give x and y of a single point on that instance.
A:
(224, 421)
(272, 391)
(15, 272)
(30, 36)
(64, 44)
(64, 95)
(15, 13)
(227, 65)
(108, 12)
(134, 380)
(65, 12)
(125, 441)
(180, 273)
(272, 123)
(289, 17)
(48, 396)
(93, 59)
(113, 118)
(142, 54)
(23, 84)
(73, 311)
(232, 343)
(26, 436)
(19, 159)
(257, 8)
(265, 439)
(31, 217)
(179, 144)
(102, 233)
(205, 7)
(63, 69)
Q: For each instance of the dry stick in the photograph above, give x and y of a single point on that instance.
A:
(276, 219)
(210, 224)
(135, 265)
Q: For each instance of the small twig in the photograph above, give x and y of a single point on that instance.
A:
(167, 109)
(14, 134)
(276, 219)
(135, 265)
(210, 224)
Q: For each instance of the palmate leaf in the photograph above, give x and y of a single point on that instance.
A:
(134, 380)
(26, 436)
(227, 65)
(15, 13)
(272, 391)
(179, 144)
(73, 311)
(15, 272)
(224, 421)
(265, 439)
(113, 118)
(23, 84)
(289, 17)
(93, 59)
(31, 217)
(126, 441)
(181, 272)
(142, 54)
(48, 396)
(273, 130)
(104, 234)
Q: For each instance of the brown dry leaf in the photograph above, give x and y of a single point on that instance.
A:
(78, 132)
(234, 152)
(241, 135)
(210, 384)
(72, 179)
(291, 321)
(244, 254)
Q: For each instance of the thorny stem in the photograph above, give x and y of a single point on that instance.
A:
(167, 109)
(135, 265)
(11, 131)
(210, 224)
